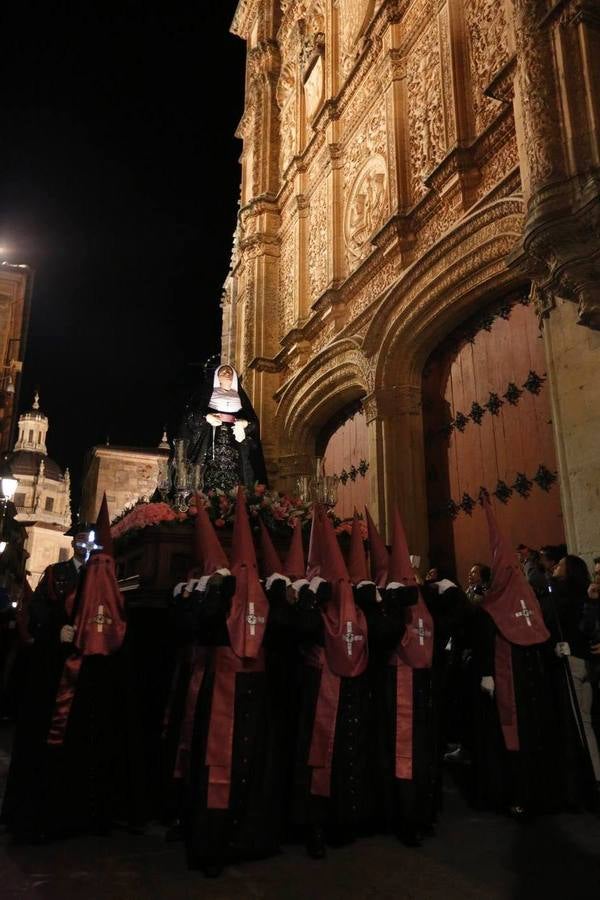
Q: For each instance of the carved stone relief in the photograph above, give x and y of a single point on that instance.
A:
(317, 242)
(427, 136)
(488, 39)
(287, 276)
(354, 16)
(366, 205)
(314, 88)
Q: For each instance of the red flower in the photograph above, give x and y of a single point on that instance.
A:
(219, 523)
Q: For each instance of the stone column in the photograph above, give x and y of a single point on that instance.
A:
(557, 107)
(397, 462)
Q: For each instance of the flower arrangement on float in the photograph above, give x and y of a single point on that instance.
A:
(280, 512)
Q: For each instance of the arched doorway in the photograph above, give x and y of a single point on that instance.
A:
(343, 446)
(487, 422)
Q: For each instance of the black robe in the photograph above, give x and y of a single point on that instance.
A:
(183, 614)
(24, 810)
(70, 788)
(225, 462)
(349, 807)
(289, 626)
(408, 804)
(249, 827)
(526, 777)
(448, 611)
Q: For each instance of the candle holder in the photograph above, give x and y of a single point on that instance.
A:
(319, 488)
(187, 477)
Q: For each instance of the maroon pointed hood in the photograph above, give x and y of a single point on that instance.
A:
(269, 556)
(313, 564)
(400, 569)
(294, 566)
(380, 558)
(209, 554)
(103, 533)
(357, 560)
(511, 601)
(249, 608)
(346, 646)
(100, 620)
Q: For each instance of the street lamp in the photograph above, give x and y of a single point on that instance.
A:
(8, 486)
(8, 482)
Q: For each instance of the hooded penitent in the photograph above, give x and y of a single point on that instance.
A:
(246, 624)
(99, 623)
(345, 653)
(511, 601)
(210, 557)
(357, 560)
(345, 625)
(269, 556)
(249, 608)
(416, 647)
(415, 650)
(209, 554)
(295, 566)
(380, 557)
(513, 606)
(103, 532)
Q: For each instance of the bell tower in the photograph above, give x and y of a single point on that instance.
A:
(33, 428)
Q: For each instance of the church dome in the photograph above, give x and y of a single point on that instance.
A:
(27, 462)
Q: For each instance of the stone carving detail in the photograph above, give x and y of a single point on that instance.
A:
(314, 88)
(425, 108)
(287, 277)
(287, 147)
(488, 39)
(354, 16)
(367, 203)
(317, 242)
(537, 90)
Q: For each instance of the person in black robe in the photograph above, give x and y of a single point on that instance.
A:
(25, 810)
(330, 793)
(231, 803)
(186, 597)
(448, 606)
(222, 434)
(408, 760)
(514, 652)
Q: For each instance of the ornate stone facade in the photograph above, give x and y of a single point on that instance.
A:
(404, 162)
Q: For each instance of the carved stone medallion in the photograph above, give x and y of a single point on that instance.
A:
(366, 205)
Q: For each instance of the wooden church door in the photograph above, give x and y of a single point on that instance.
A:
(487, 421)
(345, 451)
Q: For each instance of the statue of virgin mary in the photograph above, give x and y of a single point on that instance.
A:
(222, 434)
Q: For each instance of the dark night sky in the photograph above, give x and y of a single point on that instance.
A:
(119, 180)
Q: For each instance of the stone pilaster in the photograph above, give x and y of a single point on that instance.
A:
(396, 455)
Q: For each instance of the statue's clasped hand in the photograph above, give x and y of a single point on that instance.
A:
(239, 430)
(213, 420)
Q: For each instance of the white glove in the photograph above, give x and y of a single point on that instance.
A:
(213, 420)
(562, 649)
(67, 633)
(239, 432)
(488, 685)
